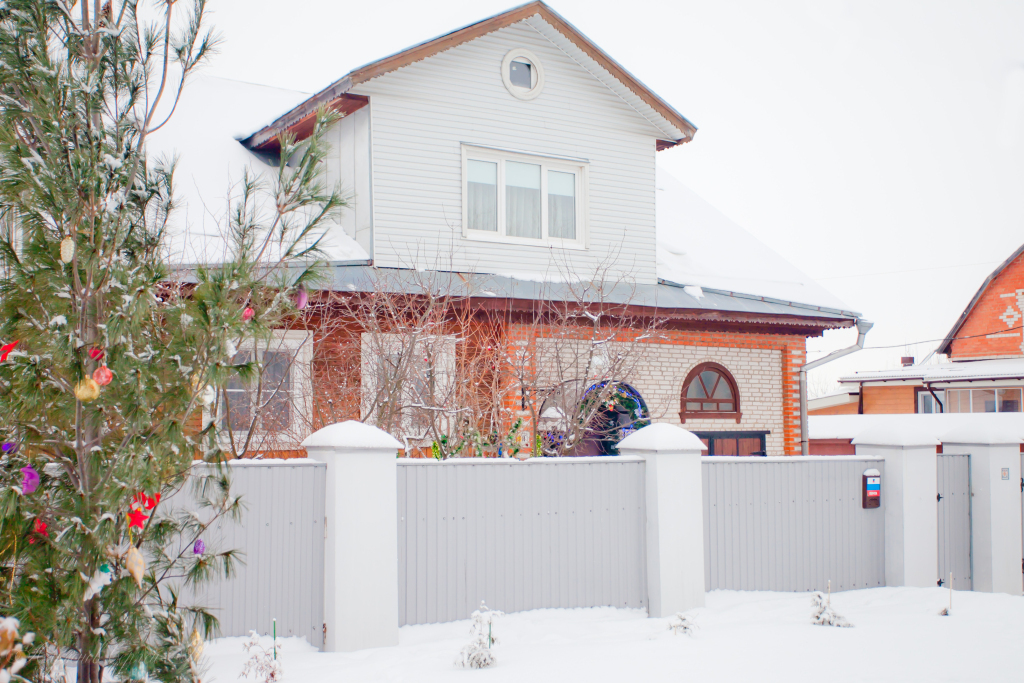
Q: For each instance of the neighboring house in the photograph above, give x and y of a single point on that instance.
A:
(517, 155)
(983, 371)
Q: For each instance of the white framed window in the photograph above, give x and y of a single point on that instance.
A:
(408, 381)
(276, 403)
(993, 400)
(522, 73)
(926, 402)
(524, 199)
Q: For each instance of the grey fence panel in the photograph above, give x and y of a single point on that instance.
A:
(791, 524)
(280, 538)
(954, 503)
(566, 532)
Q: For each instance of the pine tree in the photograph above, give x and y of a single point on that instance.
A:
(109, 355)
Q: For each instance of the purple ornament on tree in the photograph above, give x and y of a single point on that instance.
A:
(198, 548)
(9, 447)
(31, 481)
(301, 298)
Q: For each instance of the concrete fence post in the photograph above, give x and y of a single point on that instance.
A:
(361, 547)
(995, 505)
(909, 485)
(675, 516)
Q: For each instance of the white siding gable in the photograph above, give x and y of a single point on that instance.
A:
(420, 116)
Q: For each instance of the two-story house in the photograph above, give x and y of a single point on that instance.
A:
(517, 155)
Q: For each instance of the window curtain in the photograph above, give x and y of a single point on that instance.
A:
(482, 202)
(522, 199)
(561, 205)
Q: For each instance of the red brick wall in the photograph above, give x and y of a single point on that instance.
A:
(845, 409)
(991, 322)
(891, 400)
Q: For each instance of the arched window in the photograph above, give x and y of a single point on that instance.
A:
(710, 392)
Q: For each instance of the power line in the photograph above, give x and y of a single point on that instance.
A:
(894, 272)
(927, 341)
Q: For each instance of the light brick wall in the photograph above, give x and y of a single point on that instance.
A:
(766, 368)
(758, 375)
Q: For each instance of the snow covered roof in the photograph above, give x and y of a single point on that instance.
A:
(698, 245)
(203, 134)
(963, 371)
(719, 265)
(941, 427)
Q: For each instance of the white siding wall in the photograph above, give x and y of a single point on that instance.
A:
(422, 113)
(349, 167)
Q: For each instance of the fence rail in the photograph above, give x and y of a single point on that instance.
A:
(552, 532)
(791, 524)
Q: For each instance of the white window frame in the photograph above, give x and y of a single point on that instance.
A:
(579, 167)
(443, 372)
(301, 388)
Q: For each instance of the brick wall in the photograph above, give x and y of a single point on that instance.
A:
(889, 400)
(765, 367)
(845, 409)
(991, 322)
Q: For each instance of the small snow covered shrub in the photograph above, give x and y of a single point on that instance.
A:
(681, 623)
(824, 615)
(477, 652)
(262, 663)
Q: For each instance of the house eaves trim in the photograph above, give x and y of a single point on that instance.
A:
(769, 300)
(947, 343)
(266, 137)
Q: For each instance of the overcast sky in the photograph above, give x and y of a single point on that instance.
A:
(877, 145)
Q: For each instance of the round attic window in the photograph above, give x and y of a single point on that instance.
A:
(522, 74)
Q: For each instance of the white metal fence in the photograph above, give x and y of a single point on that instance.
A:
(281, 538)
(551, 532)
(791, 524)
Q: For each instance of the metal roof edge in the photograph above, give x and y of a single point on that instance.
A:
(766, 299)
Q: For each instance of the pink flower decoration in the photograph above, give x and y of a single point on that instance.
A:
(247, 314)
(301, 298)
(31, 480)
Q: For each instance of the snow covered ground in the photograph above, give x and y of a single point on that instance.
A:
(898, 635)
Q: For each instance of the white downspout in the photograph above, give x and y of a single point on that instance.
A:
(863, 326)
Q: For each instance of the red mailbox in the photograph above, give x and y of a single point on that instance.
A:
(871, 489)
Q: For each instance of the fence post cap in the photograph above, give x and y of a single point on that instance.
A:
(351, 436)
(664, 438)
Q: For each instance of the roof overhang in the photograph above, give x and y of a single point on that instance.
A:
(947, 343)
(299, 121)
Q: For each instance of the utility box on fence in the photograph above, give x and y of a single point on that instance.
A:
(871, 489)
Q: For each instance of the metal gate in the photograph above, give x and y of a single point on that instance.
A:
(954, 501)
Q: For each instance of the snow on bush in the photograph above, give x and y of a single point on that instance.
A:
(262, 663)
(477, 652)
(681, 623)
(824, 615)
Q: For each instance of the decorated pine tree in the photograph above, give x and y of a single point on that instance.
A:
(112, 356)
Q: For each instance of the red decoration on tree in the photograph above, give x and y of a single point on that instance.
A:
(137, 518)
(6, 349)
(102, 375)
(141, 501)
(247, 314)
(96, 353)
(39, 527)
